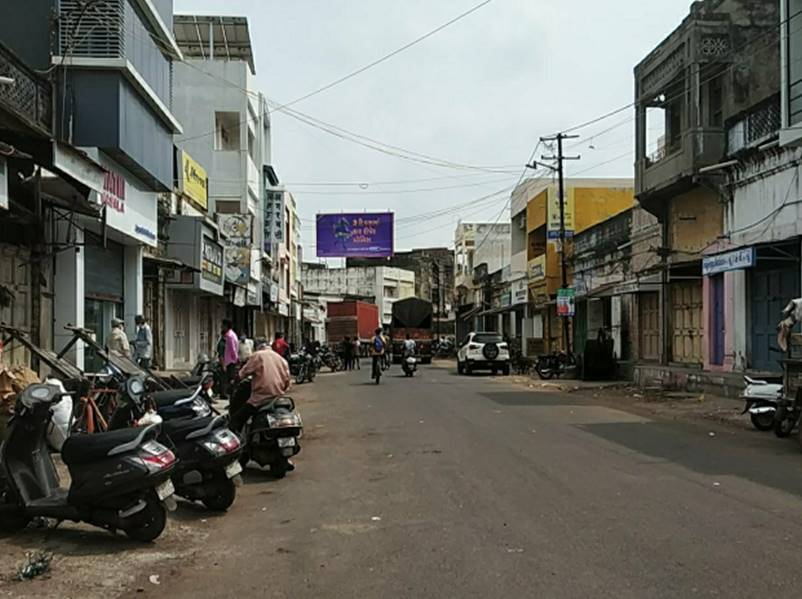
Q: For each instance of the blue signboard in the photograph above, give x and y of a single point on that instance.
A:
(734, 260)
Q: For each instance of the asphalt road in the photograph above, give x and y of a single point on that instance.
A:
(447, 486)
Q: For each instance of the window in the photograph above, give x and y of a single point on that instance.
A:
(715, 102)
(794, 33)
(226, 131)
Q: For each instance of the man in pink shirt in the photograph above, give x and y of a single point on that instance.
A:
(230, 358)
(270, 379)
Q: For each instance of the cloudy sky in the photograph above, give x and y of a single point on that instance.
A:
(476, 95)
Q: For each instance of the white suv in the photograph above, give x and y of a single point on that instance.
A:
(483, 351)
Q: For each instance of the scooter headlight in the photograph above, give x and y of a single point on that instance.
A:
(135, 387)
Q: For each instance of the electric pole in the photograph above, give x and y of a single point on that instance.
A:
(560, 158)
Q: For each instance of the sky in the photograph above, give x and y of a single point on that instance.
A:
(477, 95)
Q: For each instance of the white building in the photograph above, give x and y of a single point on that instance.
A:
(377, 284)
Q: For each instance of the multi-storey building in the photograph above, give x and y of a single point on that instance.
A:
(113, 63)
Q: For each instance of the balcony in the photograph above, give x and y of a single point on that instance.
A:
(755, 129)
(29, 98)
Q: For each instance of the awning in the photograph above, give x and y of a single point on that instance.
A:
(501, 310)
(470, 313)
(168, 263)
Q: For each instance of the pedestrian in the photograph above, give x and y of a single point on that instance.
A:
(230, 358)
(245, 350)
(387, 357)
(143, 344)
(280, 346)
(348, 353)
(357, 352)
(117, 340)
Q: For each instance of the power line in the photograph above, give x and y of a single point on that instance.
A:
(384, 58)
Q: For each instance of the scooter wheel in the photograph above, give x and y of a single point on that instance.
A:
(279, 469)
(221, 495)
(762, 422)
(148, 524)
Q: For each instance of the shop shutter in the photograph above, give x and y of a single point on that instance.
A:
(104, 270)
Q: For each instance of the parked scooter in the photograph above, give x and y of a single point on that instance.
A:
(270, 437)
(208, 468)
(554, 364)
(761, 399)
(787, 415)
(409, 364)
(120, 480)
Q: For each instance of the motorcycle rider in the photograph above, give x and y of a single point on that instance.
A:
(270, 378)
(377, 350)
(280, 346)
(409, 347)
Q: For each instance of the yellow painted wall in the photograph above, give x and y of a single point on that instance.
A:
(536, 211)
(695, 220)
(596, 204)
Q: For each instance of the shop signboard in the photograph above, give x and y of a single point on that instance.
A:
(553, 216)
(566, 304)
(506, 299)
(195, 182)
(129, 209)
(355, 235)
(537, 269)
(735, 260)
(274, 217)
(211, 261)
(520, 292)
(237, 229)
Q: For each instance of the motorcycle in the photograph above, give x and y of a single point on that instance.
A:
(330, 359)
(270, 437)
(301, 367)
(119, 480)
(761, 399)
(409, 364)
(208, 469)
(554, 364)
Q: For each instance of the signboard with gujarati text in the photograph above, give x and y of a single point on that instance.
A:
(734, 260)
(355, 235)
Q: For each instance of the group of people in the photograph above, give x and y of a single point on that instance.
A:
(350, 352)
(117, 340)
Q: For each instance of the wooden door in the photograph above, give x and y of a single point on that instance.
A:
(686, 307)
(649, 325)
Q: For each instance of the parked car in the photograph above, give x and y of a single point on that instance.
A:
(483, 351)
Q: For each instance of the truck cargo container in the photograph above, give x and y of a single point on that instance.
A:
(352, 319)
(413, 317)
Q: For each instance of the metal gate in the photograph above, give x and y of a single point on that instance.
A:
(686, 307)
(769, 293)
(649, 325)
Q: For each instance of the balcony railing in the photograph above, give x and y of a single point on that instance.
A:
(29, 97)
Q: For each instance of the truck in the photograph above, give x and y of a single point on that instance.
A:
(353, 319)
(413, 317)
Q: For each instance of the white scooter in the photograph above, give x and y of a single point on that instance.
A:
(761, 399)
(409, 364)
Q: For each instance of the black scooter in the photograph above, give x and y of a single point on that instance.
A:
(270, 437)
(208, 468)
(120, 480)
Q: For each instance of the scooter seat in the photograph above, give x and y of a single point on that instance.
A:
(170, 396)
(83, 449)
(179, 428)
(282, 403)
(192, 381)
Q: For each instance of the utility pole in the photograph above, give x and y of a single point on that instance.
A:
(560, 158)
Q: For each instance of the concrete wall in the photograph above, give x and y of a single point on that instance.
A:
(695, 220)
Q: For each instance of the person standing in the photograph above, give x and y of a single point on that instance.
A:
(357, 351)
(143, 344)
(348, 353)
(230, 358)
(117, 340)
(280, 346)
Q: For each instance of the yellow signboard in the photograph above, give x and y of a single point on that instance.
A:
(196, 182)
(537, 269)
(553, 216)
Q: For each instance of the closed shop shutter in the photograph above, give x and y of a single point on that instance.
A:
(686, 304)
(104, 268)
(770, 291)
(649, 325)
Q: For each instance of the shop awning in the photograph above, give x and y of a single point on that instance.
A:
(168, 263)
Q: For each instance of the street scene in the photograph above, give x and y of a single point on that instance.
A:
(368, 299)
